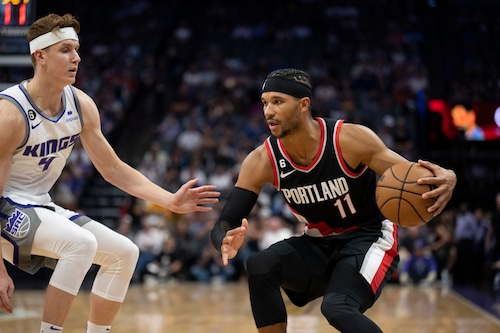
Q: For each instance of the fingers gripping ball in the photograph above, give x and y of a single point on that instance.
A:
(399, 197)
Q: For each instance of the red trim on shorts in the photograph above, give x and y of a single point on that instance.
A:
(386, 263)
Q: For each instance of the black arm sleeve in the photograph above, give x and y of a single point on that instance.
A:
(238, 205)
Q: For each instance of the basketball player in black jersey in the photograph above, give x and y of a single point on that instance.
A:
(326, 170)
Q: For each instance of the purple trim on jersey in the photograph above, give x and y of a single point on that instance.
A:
(77, 104)
(18, 105)
(40, 112)
(74, 217)
(21, 205)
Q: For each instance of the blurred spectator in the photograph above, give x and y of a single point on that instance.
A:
(125, 226)
(407, 239)
(209, 267)
(150, 239)
(274, 229)
(194, 169)
(443, 245)
(190, 139)
(168, 130)
(171, 179)
(157, 159)
(480, 251)
(385, 131)
(465, 234)
(222, 177)
(66, 190)
(169, 265)
(403, 141)
(421, 268)
(80, 164)
(494, 245)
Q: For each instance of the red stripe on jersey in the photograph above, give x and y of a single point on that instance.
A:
(348, 171)
(326, 230)
(273, 163)
(319, 153)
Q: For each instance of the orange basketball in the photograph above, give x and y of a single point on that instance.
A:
(399, 197)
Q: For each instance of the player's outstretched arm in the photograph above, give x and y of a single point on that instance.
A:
(187, 198)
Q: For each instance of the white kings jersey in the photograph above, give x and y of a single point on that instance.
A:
(39, 160)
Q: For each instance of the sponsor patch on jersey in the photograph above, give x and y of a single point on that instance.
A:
(18, 224)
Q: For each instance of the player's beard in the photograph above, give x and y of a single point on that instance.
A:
(291, 125)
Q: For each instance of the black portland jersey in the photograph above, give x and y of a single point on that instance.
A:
(327, 194)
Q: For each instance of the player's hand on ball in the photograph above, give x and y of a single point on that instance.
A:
(233, 241)
(444, 182)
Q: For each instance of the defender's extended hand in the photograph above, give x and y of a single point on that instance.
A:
(190, 199)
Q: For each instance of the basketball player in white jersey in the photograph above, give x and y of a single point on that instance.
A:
(40, 119)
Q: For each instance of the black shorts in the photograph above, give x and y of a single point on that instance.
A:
(309, 263)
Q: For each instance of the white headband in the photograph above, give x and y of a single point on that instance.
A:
(51, 38)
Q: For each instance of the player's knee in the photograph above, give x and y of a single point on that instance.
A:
(82, 248)
(128, 251)
(261, 263)
(123, 257)
(338, 308)
(130, 254)
(76, 253)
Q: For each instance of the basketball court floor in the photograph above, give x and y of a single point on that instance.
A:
(225, 308)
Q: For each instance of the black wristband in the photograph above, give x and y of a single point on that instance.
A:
(238, 205)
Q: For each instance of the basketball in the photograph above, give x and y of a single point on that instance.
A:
(399, 196)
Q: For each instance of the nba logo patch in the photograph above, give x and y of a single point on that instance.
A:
(18, 224)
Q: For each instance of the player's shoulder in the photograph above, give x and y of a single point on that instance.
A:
(13, 124)
(258, 152)
(256, 167)
(353, 129)
(257, 158)
(78, 92)
(10, 113)
(86, 102)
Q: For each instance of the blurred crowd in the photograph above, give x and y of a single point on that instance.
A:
(179, 95)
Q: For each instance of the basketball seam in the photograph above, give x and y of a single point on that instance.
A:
(402, 190)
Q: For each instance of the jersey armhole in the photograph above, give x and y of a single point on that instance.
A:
(26, 121)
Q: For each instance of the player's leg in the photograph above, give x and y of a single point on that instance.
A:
(59, 238)
(117, 256)
(356, 281)
(280, 266)
(347, 297)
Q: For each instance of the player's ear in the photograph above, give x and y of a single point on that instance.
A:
(40, 56)
(305, 103)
